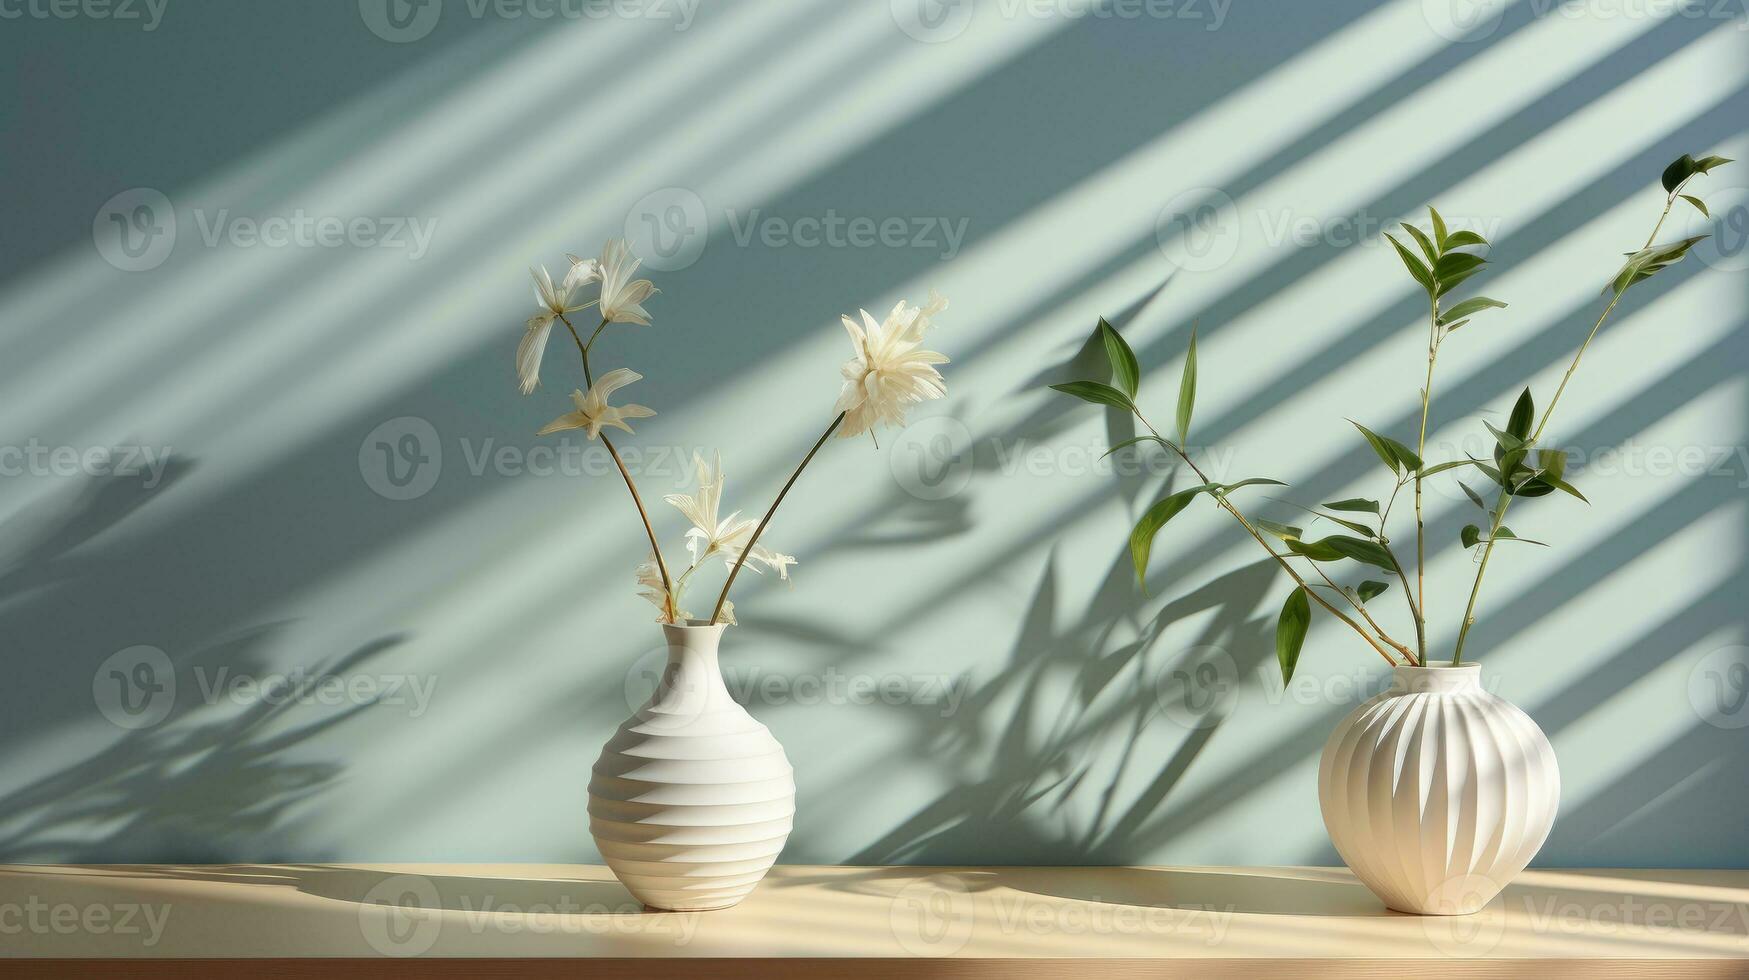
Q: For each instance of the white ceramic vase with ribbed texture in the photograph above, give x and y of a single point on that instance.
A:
(1437, 793)
(692, 800)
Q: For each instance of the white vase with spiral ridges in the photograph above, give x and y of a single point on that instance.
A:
(692, 799)
(1437, 793)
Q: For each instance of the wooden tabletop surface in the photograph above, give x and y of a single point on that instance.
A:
(1597, 922)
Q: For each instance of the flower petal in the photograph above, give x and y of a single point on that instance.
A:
(531, 350)
(569, 420)
(613, 381)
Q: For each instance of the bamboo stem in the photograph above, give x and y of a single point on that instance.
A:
(1279, 559)
(1505, 499)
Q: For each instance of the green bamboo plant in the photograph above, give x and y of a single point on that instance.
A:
(1441, 260)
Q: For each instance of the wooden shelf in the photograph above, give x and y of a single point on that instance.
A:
(501, 920)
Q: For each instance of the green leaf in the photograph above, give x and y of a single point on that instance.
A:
(1699, 205)
(1354, 526)
(1456, 279)
(1683, 168)
(1449, 465)
(1142, 538)
(1187, 391)
(1225, 488)
(1470, 307)
(1422, 240)
(1453, 327)
(1507, 441)
(1130, 442)
(1286, 532)
(1099, 394)
(1647, 262)
(1416, 269)
(1370, 590)
(1533, 486)
(1454, 263)
(1315, 550)
(1471, 535)
(1290, 632)
(1395, 454)
(1404, 454)
(1565, 487)
(1522, 415)
(1458, 239)
(1551, 463)
(1505, 534)
(1475, 498)
(1377, 443)
(1439, 232)
(1361, 550)
(1355, 504)
(1123, 360)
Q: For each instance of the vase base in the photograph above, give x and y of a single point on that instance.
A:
(1442, 911)
(701, 908)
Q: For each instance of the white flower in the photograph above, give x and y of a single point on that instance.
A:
(594, 413)
(651, 588)
(622, 297)
(727, 536)
(889, 372)
(554, 302)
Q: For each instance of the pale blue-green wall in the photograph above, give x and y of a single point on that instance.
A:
(1028, 701)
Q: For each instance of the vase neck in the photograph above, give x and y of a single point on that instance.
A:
(1436, 680)
(692, 681)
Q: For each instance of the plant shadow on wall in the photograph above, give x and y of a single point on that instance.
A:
(1035, 767)
(1029, 745)
(207, 776)
(207, 782)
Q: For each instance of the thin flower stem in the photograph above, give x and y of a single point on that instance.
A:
(1418, 601)
(649, 530)
(1279, 559)
(1505, 499)
(736, 570)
